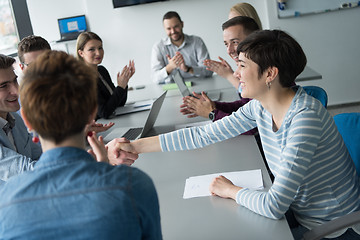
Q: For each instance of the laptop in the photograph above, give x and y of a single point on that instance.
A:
(134, 107)
(135, 133)
(179, 80)
(71, 27)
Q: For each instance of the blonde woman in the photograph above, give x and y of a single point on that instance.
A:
(89, 49)
(245, 9)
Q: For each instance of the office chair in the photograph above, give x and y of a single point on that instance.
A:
(332, 226)
(348, 125)
(318, 93)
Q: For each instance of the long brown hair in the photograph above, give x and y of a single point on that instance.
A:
(81, 41)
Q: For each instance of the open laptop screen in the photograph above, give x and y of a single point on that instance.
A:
(71, 27)
(178, 79)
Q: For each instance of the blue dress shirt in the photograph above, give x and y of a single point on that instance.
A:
(69, 195)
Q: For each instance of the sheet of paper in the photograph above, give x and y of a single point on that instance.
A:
(198, 186)
(196, 124)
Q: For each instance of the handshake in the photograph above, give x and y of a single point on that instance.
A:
(116, 152)
(120, 150)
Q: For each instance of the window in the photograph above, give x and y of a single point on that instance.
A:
(8, 32)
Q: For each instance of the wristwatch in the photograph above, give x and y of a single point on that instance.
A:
(212, 115)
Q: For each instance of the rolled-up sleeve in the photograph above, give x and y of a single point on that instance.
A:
(158, 65)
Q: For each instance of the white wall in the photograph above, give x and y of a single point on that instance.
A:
(44, 15)
(331, 44)
(130, 32)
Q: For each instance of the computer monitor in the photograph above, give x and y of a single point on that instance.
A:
(125, 3)
(71, 27)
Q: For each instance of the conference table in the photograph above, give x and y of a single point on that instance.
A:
(214, 83)
(202, 217)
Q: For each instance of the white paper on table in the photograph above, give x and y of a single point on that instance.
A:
(195, 124)
(198, 186)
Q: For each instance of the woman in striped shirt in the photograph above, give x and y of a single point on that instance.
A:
(315, 178)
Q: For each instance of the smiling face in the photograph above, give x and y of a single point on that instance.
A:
(8, 92)
(93, 52)
(252, 85)
(232, 37)
(173, 28)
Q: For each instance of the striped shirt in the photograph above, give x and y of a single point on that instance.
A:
(314, 173)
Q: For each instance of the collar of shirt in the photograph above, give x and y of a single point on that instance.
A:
(62, 155)
(186, 40)
(9, 122)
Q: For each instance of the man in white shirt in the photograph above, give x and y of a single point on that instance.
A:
(178, 52)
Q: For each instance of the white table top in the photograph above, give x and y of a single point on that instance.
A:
(205, 217)
(209, 217)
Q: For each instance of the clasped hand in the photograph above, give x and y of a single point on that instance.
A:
(199, 105)
(177, 61)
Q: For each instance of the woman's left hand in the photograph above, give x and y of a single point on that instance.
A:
(223, 187)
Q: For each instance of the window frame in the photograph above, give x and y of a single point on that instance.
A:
(21, 20)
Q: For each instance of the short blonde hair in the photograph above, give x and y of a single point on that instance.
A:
(247, 10)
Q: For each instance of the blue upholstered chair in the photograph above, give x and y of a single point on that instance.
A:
(318, 93)
(348, 125)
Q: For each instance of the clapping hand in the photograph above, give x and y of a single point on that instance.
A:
(222, 68)
(98, 127)
(125, 75)
(199, 105)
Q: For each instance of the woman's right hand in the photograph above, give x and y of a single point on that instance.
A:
(125, 75)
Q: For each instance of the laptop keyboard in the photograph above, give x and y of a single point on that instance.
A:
(132, 133)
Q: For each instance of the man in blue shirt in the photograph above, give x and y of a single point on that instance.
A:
(17, 151)
(71, 194)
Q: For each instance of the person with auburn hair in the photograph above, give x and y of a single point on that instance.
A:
(245, 9)
(29, 48)
(72, 193)
(315, 177)
(89, 49)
